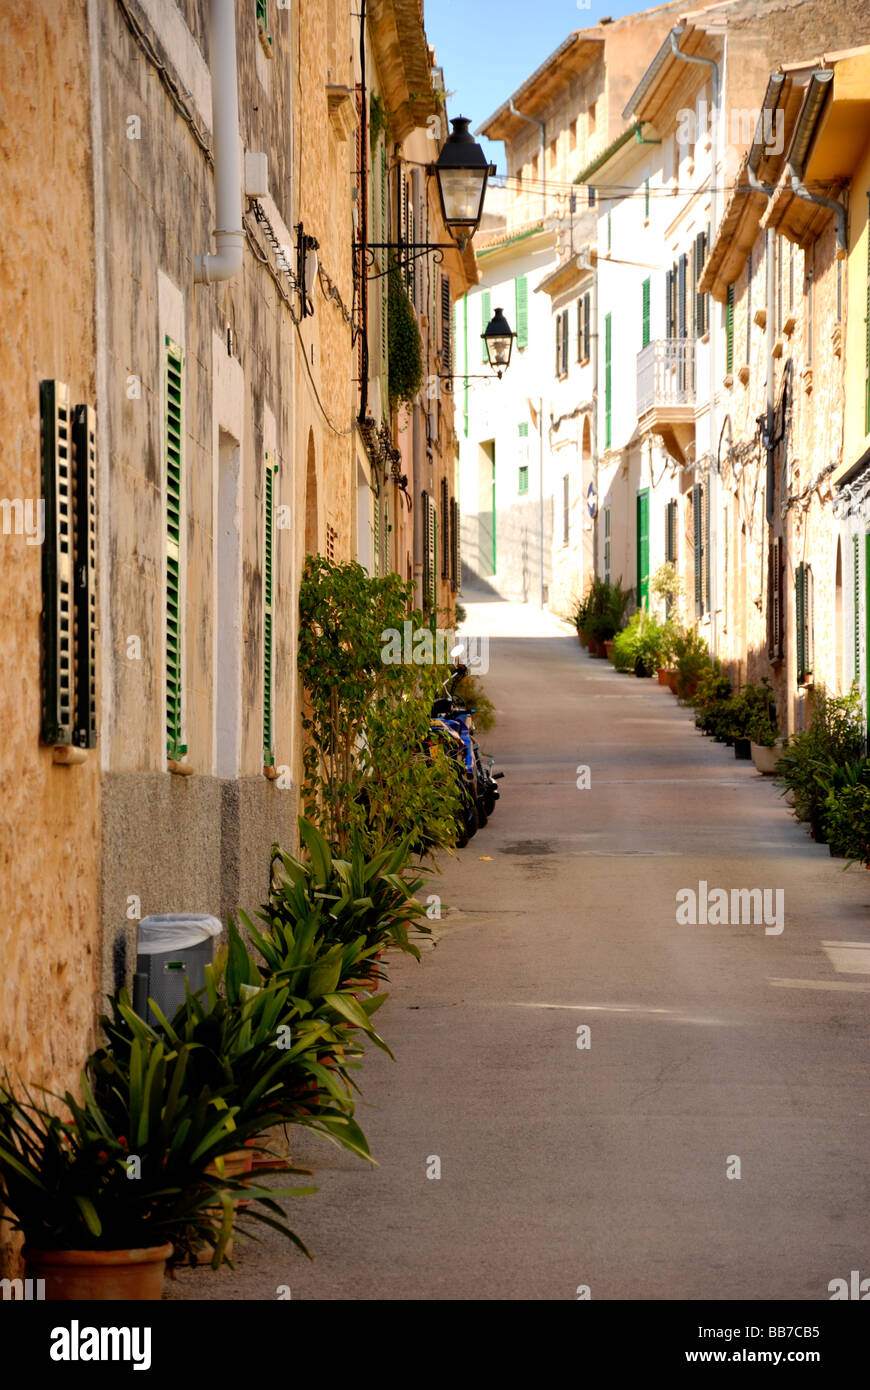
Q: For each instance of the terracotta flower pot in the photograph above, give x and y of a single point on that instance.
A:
(608, 648)
(673, 677)
(662, 675)
(85, 1276)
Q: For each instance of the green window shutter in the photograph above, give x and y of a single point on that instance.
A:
(642, 512)
(856, 611)
(268, 597)
(774, 601)
(445, 531)
(698, 547)
(607, 545)
(670, 303)
(85, 588)
(646, 198)
(645, 303)
(580, 328)
(523, 429)
(456, 550)
(485, 316)
(729, 330)
(587, 325)
(607, 381)
(57, 563)
(521, 296)
(523, 480)
(173, 395)
(803, 581)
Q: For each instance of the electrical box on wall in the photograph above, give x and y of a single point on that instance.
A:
(256, 175)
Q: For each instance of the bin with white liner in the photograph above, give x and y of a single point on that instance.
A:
(172, 951)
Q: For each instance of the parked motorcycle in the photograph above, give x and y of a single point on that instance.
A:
(458, 718)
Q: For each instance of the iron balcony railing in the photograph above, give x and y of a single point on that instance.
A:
(666, 374)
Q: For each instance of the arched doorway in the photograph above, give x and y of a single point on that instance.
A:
(312, 527)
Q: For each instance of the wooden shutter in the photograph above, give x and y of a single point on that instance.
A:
(57, 563)
(485, 316)
(671, 532)
(856, 609)
(446, 326)
(644, 312)
(699, 255)
(521, 296)
(774, 600)
(268, 594)
(698, 547)
(803, 593)
(682, 322)
(445, 531)
(426, 518)
(708, 549)
(173, 395)
(558, 345)
(607, 381)
(456, 551)
(587, 325)
(670, 303)
(565, 342)
(729, 330)
(85, 589)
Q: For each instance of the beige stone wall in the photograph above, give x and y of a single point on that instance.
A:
(49, 815)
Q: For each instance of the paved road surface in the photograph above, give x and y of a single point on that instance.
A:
(605, 1166)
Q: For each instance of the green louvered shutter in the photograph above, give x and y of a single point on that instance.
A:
(485, 316)
(268, 600)
(698, 547)
(377, 538)
(856, 601)
(671, 532)
(800, 622)
(85, 587)
(708, 550)
(57, 563)
(644, 310)
(607, 545)
(729, 330)
(521, 297)
(173, 395)
(646, 198)
(607, 381)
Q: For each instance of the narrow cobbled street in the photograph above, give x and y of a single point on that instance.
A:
(708, 1137)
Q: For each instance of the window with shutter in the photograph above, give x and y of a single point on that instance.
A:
(385, 538)
(565, 343)
(698, 546)
(580, 328)
(558, 345)
(377, 538)
(607, 545)
(607, 381)
(521, 297)
(57, 563)
(173, 395)
(587, 328)
(803, 593)
(268, 592)
(566, 509)
(85, 589)
(426, 518)
(856, 607)
(774, 601)
(729, 330)
(708, 551)
(682, 322)
(644, 312)
(523, 478)
(446, 326)
(485, 316)
(671, 303)
(699, 300)
(456, 558)
(445, 531)
(646, 199)
(671, 532)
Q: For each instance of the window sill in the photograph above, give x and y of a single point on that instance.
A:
(64, 755)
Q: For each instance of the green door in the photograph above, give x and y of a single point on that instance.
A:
(643, 548)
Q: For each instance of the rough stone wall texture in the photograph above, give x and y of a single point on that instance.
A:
(814, 441)
(49, 821)
(199, 843)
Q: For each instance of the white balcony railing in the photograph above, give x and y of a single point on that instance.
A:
(666, 374)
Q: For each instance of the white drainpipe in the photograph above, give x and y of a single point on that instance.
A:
(229, 235)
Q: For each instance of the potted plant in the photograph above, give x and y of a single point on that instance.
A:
(106, 1190)
(603, 610)
(691, 659)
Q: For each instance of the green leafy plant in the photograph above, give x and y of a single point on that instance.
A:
(752, 711)
(65, 1163)
(404, 344)
(366, 716)
(712, 702)
(378, 121)
(820, 760)
(846, 816)
(601, 611)
(666, 586)
(643, 644)
(691, 656)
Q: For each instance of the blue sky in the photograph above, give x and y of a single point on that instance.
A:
(487, 47)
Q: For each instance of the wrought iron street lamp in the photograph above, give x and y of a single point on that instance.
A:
(462, 172)
(498, 339)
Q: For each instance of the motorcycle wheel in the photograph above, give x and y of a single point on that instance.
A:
(489, 800)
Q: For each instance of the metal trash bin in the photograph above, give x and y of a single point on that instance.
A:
(172, 951)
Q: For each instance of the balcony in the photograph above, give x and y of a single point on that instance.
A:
(666, 390)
